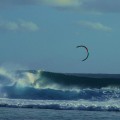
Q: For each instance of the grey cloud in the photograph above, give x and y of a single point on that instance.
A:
(101, 5)
(84, 5)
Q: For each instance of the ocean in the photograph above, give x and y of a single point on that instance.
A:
(48, 114)
(43, 95)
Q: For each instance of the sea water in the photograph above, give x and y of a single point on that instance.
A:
(47, 114)
(42, 95)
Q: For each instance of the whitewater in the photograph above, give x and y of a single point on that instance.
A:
(61, 91)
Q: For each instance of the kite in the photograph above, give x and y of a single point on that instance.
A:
(86, 51)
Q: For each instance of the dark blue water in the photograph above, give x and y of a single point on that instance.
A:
(44, 114)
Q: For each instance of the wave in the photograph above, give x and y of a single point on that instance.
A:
(112, 105)
(57, 86)
(51, 94)
(44, 79)
(81, 80)
(48, 90)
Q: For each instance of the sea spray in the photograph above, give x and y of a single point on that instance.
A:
(20, 79)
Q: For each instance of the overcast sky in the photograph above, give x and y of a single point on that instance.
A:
(43, 34)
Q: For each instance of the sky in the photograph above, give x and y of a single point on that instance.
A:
(43, 34)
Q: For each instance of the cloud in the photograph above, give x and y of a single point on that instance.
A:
(62, 3)
(95, 26)
(37, 2)
(9, 26)
(20, 25)
(84, 5)
(28, 26)
(101, 5)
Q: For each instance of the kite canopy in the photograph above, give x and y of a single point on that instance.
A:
(86, 50)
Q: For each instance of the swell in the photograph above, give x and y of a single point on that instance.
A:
(82, 81)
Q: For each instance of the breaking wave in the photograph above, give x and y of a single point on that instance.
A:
(48, 90)
(111, 105)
